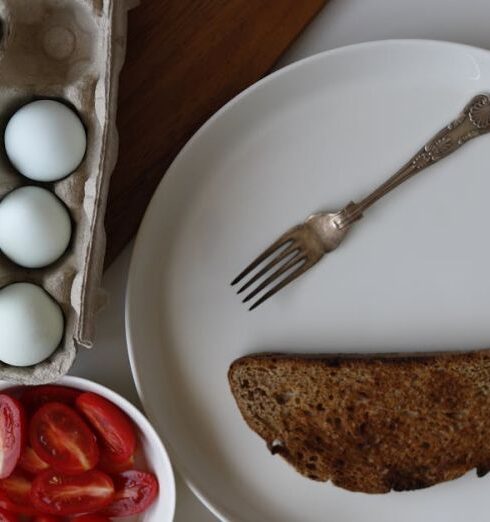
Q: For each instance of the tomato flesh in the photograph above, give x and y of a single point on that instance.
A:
(15, 493)
(12, 433)
(46, 518)
(135, 492)
(112, 425)
(5, 516)
(58, 494)
(33, 397)
(7, 505)
(62, 439)
(111, 466)
(31, 462)
(91, 518)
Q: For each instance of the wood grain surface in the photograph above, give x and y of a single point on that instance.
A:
(185, 59)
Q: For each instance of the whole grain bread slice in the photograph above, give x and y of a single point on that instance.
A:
(370, 424)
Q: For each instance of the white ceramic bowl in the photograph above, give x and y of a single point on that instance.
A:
(153, 449)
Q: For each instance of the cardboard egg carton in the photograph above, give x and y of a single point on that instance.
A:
(70, 50)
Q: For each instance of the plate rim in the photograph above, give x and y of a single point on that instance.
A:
(217, 510)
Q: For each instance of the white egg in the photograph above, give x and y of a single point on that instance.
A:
(35, 227)
(31, 324)
(45, 140)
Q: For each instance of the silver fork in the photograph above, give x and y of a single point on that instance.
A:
(302, 246)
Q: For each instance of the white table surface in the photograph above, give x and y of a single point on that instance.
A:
(342, 22)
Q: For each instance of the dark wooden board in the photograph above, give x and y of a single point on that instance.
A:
(185, 59)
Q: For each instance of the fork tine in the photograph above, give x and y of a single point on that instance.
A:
(284, 254)
(285, 238)
(291, 277)
(284, 268)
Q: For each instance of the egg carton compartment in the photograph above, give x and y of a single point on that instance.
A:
(71, 51)
(61, 44)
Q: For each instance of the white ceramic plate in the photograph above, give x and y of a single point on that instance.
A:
(413, 275)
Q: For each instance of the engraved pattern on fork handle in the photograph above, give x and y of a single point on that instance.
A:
(473, 121)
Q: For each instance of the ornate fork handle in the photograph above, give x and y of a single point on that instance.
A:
(473, 121)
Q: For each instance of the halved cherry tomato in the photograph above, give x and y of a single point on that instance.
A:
(14, 391)
(112, 425)
(9, 506)
(135, 491)
(58, 494)
(33, 397)
(109, 465)
(90, 518)
(12, 433)
(62, 439)
(15, 494)
(5, 516)
(31, 462)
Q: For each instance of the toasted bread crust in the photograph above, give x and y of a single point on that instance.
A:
(370, 424)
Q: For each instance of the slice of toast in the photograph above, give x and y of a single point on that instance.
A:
(370, 424)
